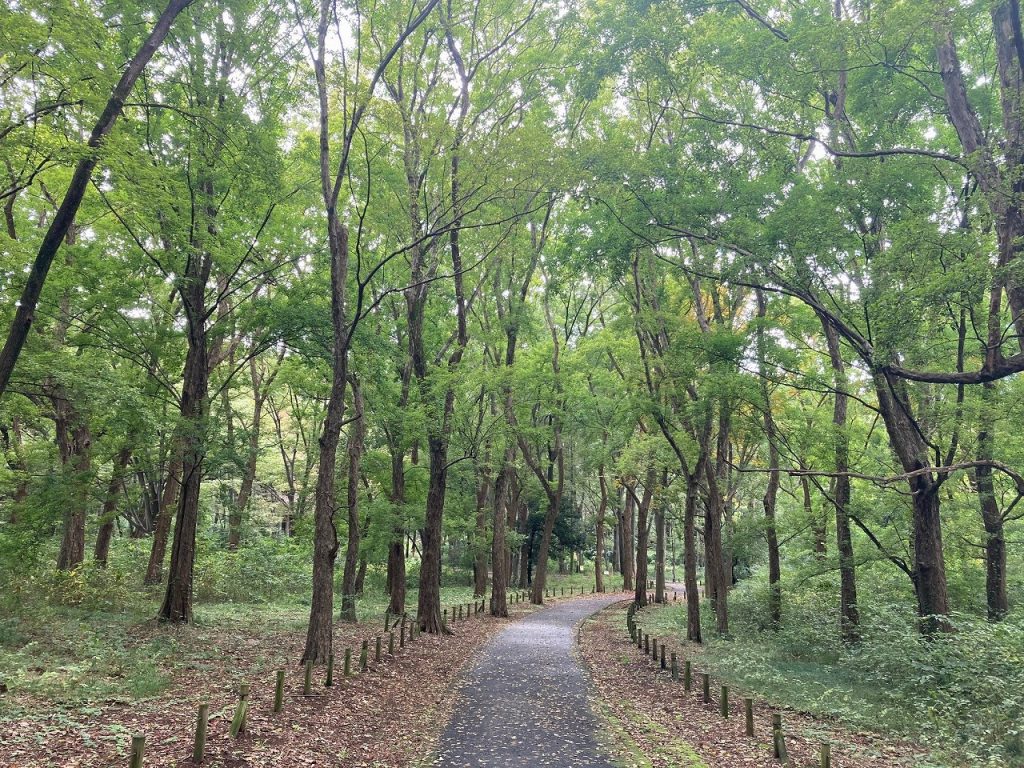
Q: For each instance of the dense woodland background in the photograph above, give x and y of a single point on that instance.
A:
(326, 306)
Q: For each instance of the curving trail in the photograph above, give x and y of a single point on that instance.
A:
(524, 702)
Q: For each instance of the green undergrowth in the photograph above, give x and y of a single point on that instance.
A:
(960, 695)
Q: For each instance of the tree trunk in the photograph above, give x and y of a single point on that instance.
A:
(429, 607)
(714, 565)
(690, 559)
(659, 554)
(602, 510)
(500, 564)
(356, 440)
(65, 215)
(642, 536)
(849, 614)
(626, 544)
(772, 491)
(912, 452)
(162, 528)
(396, 548)
(107, 516)
(73, 440)
(480, 535)
(325, 533)
(177, 605)
(991, 516)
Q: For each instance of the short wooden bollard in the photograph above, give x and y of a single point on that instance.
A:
(647, 644)
(826, 755)
(748, 711)
(663, 661)
(387, 620)
(687, 675)
(279, 691)
(705, 681)
(724, 703)
(199, 747)
(348, 662)
(364, 656)
(376, 651)
(401, 637)
(138, 751)
(391, 643)
(675, 667)
(307, 683)
(460, 613)
(238, 721)
(563, 591)
(778, 739)
(444, 619)
(330, 671)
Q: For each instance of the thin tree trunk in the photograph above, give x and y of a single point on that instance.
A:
(107, 516)
(690, 558)
(626, 544)
(772, 491)
(602, 510)
(162, 528)
(849, 613)
(659, 554)
(356, 440)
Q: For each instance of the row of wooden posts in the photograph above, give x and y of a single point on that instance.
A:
(650, 646)
(408, 632)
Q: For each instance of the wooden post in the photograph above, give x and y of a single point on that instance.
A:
(675, 667)
(724, 703)
(778, 739)
(364, 656)
(748, 711)
(647, 644)
(199, 748)
(460, 613)
(138, 750)
(663, 666)
(330, 671)
(444, 619)
(376, 651)
(348, 662)
(387, 619)
(307, 684)
(238, 722)
(401, 637)
(391, 643)
(705, 680)
(687, 675)
(826, 755)
(279, 691)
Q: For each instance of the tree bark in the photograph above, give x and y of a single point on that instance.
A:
(690, 558)
(991, 516)
(849, 614)
(602, 510)
(356, 441)
(772, 491)
(626, 544)
(73, 442)
(107, 513)
(162, 527)
(659, 554)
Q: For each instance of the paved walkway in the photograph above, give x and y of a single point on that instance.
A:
(524, 702)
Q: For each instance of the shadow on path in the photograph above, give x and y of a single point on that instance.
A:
(524, 702)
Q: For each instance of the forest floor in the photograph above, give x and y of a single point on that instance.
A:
(666, 726)
(389, 716)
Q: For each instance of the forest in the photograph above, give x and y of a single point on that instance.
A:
(321, 309)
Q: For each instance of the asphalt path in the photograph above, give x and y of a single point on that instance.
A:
(525, 701)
